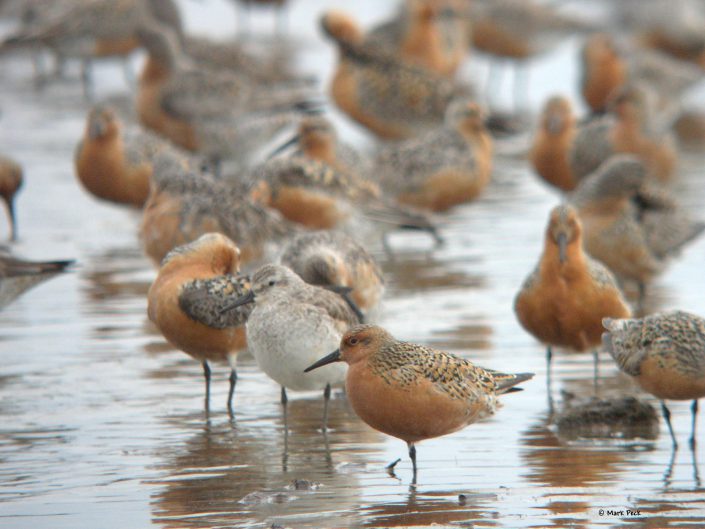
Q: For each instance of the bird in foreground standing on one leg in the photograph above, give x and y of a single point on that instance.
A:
(413, 392)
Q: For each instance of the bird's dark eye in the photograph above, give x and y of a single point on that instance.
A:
(352, 341)
(271, 283)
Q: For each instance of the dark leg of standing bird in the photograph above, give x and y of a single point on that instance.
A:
(549, 357)
(12, 218)
(207, 375)
(667, 416)
(284, 398)
(694, 411)
(412, 455)
(231, 392)
(326, 400)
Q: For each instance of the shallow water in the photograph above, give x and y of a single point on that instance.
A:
(102, 423)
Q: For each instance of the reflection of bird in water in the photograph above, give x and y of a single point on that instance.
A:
(665, 353)
(219, 473)
(557, 467)
(18, 275)
(413, 392)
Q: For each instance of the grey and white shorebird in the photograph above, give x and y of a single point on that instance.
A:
(665, 353)
(19, 275)
(292, 325)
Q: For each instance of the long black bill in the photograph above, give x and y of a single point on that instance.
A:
(284, 146)
(242, 300)
(328, 359)
(344, 292)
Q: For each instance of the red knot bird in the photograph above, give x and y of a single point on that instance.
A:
(114, 161)
(195, 281)
(624, 130)
(184, 204)
(392, 98)
(413, 392)
(550, 149)
(562, 302)
(665, 353)
(444, 167)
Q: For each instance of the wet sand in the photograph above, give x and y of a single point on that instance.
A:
(102, 423)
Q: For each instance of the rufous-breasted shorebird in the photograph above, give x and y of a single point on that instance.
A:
(413, 392)
(195, 281)
(443, 168)
(550, 149)
(562, 302)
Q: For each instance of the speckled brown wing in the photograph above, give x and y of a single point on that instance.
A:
(591, 146)
(667, 227)
(204, 301)
(404, 363)
(406, 166)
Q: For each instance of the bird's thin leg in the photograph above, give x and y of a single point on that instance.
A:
(231, 392)
(207, 375)
(412, 455)
(326, 400)
(694, 411)
(667, 416)
(284, 398)
(549, 357)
